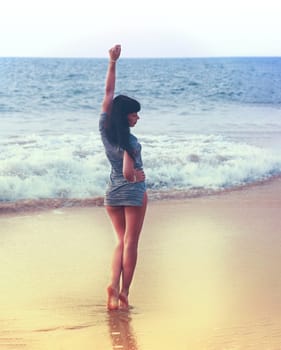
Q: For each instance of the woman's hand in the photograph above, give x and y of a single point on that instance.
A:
(114, 53)
(129, 172)
(139, 175)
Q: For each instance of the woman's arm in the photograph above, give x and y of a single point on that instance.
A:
(114, 54)
(129, 172)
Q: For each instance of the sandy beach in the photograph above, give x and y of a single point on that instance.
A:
(208, 277)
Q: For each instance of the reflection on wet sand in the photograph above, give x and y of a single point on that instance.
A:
(120, 330)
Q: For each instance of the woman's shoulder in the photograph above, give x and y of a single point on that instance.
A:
(102, 121)
(133, 139)
(134, 143)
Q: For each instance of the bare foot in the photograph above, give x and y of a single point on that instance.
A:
(112, 298)
(124, 302)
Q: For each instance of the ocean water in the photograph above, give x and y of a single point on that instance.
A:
(207, 124)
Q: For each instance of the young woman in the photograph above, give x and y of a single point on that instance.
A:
(126, 197)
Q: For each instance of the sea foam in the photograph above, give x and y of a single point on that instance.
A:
(75, 166)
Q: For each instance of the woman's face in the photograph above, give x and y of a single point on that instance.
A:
(133, 118)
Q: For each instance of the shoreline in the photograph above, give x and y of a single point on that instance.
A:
(41, 205)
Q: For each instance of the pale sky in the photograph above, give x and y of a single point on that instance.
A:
(144, 28)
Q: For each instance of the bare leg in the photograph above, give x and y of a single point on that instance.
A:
(134, 217)
(117, 216)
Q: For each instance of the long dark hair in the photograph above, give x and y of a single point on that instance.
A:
(117, 126)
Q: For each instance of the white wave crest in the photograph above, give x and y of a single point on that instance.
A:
(75, 166)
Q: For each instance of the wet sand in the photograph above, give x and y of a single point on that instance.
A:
(208, 277)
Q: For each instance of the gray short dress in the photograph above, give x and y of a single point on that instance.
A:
(121, 192)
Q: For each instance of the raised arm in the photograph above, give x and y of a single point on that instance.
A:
(114, 54)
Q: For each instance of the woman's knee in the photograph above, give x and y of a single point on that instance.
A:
(131, 240)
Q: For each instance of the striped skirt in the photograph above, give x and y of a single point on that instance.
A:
(125, 193)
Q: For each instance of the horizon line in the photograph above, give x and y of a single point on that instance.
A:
(147, 57)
